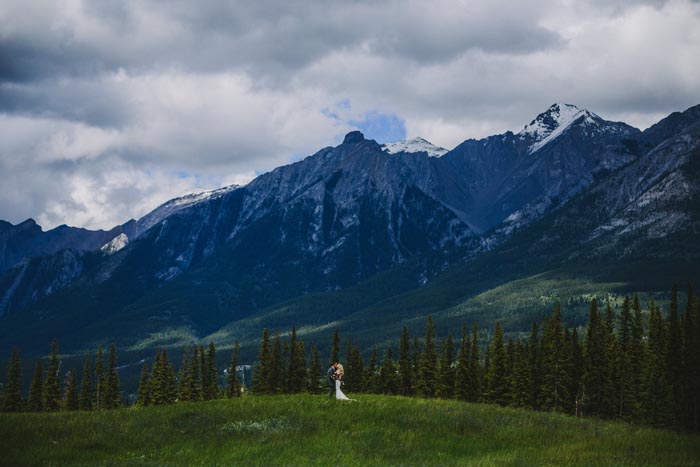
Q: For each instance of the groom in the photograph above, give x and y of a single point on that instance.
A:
(330, 380)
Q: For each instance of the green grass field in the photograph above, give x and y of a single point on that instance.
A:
(312, 430)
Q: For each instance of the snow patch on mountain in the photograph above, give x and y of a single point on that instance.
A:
(116, 244)
(549, 125)
(170, 207)
(417, 144)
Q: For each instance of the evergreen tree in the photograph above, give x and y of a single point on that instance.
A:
(277, 376)
(691, 362)
(161, 385)
(52, 389)
(615, 361)
(12, 392)
(463, 374)
(185, 377)
(575, 369)
(446, 373)
(625, 384)
(354, 370)
(263, 370)
(113, 397)
(170, 381)
(204, 377)
(497, 377)
(85, 401)
(405, 364)
(335, 349)
(196, 379)
(415, 363)
(535, 367)
(656, 397)
(555, 365)
(296, 379)
(210, 387)
(427, 373)
(371, 373)
(70, 391)
(100, 380)
(205, 374)
(521, 386)
(388, 374)
(316, 375)
(156, 383)
(596, 383)
(475, 371)
(674, 361)
(233, 386)
(143, 397)
(36, 393)
(636, 358)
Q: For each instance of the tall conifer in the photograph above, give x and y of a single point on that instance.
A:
(233, 386)
(100, 380)
(355, 369)
(36, 394)
(85, 400)
(316, 375)
(195, 390)
(476, 372)
(12, 392)
(185, 377)
(427, 373)
(446, 373)
(52, 388)
(596, 383)
(210, 388)
(462, 376)
(371, 373)
(674, 360)
(521, 376)
(263, 370)
(335, 348)
(405, 365)
(555, 364)
(691, 362)
(277, 375)
(388, 382)
(656, 397)
(70, 391)
(113, 396)
(143, 397)
(498, 385)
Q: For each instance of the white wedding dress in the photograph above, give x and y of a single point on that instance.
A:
(339, 394)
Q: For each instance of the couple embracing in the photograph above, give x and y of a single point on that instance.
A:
(334, 377)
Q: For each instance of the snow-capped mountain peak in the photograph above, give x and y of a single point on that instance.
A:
(548, 125)
(417, 144)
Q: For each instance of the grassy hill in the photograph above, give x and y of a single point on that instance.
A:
(312, 430)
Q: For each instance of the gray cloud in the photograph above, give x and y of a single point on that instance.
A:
(108, 108)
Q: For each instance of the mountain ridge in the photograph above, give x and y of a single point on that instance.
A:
(346, 214)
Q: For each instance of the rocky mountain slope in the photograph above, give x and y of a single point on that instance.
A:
(568, 185)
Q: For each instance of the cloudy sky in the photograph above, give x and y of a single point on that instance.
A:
(108, 108)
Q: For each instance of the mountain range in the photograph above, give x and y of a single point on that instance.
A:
(368, 237)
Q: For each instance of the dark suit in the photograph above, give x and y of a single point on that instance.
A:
(330, 380)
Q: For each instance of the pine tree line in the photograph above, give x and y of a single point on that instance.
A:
(630, 366)
(99, 390)
(196, 380)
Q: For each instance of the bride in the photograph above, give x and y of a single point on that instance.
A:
(339, 372)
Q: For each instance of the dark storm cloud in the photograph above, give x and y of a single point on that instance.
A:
(265, 38)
